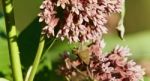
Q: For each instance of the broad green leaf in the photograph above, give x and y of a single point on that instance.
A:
(28, 41)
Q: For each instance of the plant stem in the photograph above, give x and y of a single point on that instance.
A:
(52, 43)
(12, 40)
(37, 58)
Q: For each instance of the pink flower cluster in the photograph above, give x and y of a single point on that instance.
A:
(114, 66)
(77, 20)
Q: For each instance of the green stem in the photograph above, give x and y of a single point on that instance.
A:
(37, 58)
(54, 40)
(12, 40)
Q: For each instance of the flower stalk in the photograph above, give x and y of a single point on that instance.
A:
(37, 58)
(12, 39)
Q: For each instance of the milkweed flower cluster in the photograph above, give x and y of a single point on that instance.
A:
(77, 20)
(113, 66)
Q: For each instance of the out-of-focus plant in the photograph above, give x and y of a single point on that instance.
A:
(82, 23)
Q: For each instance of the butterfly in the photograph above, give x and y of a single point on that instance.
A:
(83, 53)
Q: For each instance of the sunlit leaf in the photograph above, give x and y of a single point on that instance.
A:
(3, 79)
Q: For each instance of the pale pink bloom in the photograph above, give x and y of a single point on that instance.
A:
(102, 77)
(46, 16)
(109, 67)
(93, 1)
(121, 62)
(62, 3)
(46, 4)
(105, 67)
(122, 51)
(135, 72)
(113, 57)
(96, 47)
(76, 6)
(69, 20)
(49, 29)
(79, 20)
(114, 79)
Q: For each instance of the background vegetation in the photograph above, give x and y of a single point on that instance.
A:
(137, 37)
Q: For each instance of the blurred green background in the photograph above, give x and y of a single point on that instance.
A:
(137, 38)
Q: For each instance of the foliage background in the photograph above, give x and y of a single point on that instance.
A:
(137, 37)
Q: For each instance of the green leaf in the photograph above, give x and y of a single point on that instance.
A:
(28, 42)
(3, 79)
